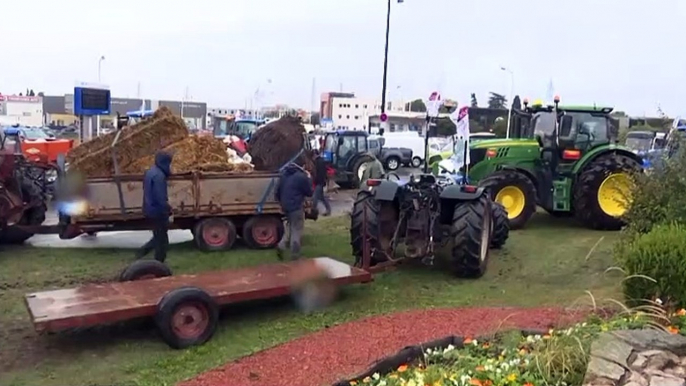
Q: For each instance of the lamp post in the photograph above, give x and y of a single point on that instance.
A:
(385, 61)
(509, 112)
(97, 118)
(100, 66)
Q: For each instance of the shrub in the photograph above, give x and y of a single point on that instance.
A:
(658, 197)
(655, 264)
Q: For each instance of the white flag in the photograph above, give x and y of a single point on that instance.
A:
(460, 117)
(433, 104)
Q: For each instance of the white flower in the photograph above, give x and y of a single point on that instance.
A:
(429, 351)
(475, 343)
(376, 376)
(382, 383)
(498, 371)
(658, 301)
(449, 348)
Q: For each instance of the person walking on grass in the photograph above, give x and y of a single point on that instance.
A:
(156, 206)
(320, 178)
(294, 185)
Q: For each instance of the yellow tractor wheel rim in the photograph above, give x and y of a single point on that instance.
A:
(613, 194)
(513, 199)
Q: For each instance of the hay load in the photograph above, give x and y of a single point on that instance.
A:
(270, 148)
(94, 158)
(275, 143)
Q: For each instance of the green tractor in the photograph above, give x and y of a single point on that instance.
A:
(564, 159)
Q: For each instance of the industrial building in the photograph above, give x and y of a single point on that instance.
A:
(21, 110)
(58, 110)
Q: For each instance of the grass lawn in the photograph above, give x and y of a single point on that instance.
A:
(548, 263)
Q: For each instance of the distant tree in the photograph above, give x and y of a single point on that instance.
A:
(41, 94)
(516, 103)
(445, 127)
(416, 105)
(497, 101)
(618, 114)
(475, 103)
(31, 93)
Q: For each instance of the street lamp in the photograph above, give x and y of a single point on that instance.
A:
(509, 113)
(385, 61)
(99, 66)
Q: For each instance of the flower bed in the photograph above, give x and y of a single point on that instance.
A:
(525, 358)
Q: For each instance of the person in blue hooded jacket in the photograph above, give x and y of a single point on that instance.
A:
(294, 185)
(156, 206)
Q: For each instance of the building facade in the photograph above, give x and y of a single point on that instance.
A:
(58, 110)
(21, 110)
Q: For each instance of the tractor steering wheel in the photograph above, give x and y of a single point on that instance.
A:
(397, 177)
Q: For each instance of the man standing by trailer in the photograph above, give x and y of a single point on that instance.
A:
(294, 185)
(320, 178)
(156, 206)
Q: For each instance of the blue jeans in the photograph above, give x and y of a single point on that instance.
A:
(319, 196)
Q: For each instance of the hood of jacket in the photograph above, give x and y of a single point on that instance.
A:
(291, 169)
(163, 161)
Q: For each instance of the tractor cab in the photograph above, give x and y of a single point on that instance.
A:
(226, 125)
(347, 152)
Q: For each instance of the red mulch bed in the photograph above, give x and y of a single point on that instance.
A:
(342, 351)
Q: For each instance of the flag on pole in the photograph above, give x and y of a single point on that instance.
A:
(433, 104)
(460, 118)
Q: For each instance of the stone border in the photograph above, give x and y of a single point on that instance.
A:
(411, 354)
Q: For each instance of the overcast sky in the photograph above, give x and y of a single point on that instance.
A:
(627, 53)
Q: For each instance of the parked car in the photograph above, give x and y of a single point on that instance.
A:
(391, 157)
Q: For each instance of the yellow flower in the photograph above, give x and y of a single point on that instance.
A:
(366, 380)
(522, 351)
(479, 368)
(512, 377)
(681, 312)
(353, 383)
(546, 336)
(438, 383)
(673, 330)
(411, 382)
(393, 376)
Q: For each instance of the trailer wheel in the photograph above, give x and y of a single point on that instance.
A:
(144, 270)
(262, 232)
(186, 316)
(214, 234)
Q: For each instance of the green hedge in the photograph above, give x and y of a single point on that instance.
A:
(655, 264)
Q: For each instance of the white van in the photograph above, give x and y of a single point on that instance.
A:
(409, 140)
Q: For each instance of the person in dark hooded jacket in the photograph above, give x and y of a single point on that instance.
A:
(156, 206)
(294, 185)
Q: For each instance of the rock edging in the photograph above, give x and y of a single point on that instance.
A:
(646, 357)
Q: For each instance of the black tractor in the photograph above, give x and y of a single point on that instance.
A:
(424, 214)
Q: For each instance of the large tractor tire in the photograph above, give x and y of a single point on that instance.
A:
(471, 236)
(376, 230)
(31, 216)
(501, 226)
(600, 190)
(514, 191)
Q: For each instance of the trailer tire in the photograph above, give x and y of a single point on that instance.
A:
(501, 226)
(471, 235)
(186, 316)
(262, 232)
(214, 234)
(143, 270)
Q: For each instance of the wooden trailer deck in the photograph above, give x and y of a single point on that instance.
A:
(97, 304)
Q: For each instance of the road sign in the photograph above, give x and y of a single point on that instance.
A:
(92, 99)
(384, 117)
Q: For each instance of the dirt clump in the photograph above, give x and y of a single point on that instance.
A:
(277, 142)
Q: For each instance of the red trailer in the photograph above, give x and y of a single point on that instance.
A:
(185, 307)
